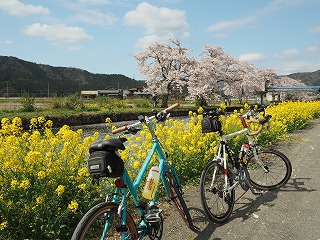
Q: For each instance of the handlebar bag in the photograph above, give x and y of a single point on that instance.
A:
(210, 124)
(105, 164)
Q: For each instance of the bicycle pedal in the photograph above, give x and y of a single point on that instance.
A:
(153, 215)
(258, 191)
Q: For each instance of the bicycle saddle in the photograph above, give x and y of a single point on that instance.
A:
(109, 144)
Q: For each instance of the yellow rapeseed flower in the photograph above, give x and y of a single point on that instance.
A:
(39, 200)
(14, 184)
(48, 124)
(82, 186)
(3, 225)
(73, 206)
(200, 110)
(41, 175)
(108, 120)
(60, 190)
(24, 184)
(136, 164)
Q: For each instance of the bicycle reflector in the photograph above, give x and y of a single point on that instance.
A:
(119, 183)
(224, 171)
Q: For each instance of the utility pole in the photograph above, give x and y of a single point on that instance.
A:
(48, 90)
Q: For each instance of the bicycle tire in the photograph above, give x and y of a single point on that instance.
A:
(217, 204)
(177, 198)
(278, 166)
(92, 223)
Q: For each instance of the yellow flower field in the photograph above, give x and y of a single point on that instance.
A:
(45, 185)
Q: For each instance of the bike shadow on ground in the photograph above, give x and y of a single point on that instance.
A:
(244, 208)
(247, 205)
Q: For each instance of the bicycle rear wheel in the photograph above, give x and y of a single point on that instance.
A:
(275, 172)
(92, 224)
(177, 198)
(217, 203)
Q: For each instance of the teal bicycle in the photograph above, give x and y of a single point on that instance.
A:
(112, 219)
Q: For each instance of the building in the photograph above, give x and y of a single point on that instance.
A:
(137, 92)
(103, 93)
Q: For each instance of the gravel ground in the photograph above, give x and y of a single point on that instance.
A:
(293, 212)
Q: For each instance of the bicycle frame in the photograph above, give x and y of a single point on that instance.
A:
(223, 149)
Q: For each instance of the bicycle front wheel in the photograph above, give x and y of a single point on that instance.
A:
(270, 170)
(177, 198)
(103, 222)
(217, 202)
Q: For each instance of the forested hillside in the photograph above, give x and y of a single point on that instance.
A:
(309, 78)
(18, 76)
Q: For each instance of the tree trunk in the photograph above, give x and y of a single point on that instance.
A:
(165, 99)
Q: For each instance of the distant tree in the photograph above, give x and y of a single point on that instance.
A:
(27, 102)
(166, 68)
(290, 95)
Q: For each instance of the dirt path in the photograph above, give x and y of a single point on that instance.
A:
(292, 212)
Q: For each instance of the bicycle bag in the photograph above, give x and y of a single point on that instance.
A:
(105, 164)
(104, 161)
(210, 124)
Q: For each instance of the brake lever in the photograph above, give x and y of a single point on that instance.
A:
(132, 131)
(161, 116)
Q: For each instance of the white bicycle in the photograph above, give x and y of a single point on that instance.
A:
(255, 169)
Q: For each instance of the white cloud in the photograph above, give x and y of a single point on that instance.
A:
(246, 22)
(252, 57)
(17, 8)
(95, 2)
(158, 20)
(289, 67)
(148, 40)
(315, 29)
(291, 53)
(276, 5)
(231, 25)
(313, 51)
(94, 17)
(59, 34)
(6, 42)
(78, 5)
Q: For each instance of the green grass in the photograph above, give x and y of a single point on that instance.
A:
(75, 107)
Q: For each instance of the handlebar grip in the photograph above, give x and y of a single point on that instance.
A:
(120, 129)
(256, 132)
(171, 107)
(261, 122)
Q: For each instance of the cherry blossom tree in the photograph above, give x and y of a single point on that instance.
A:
(206, 74)
(267, 75)
(241, 79)
(166, 68)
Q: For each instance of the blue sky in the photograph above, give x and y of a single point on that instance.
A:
(102, 36)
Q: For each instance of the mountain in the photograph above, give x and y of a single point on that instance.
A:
(18, 76)
(308, 78)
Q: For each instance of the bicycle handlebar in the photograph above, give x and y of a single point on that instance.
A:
(260, 121)
(160, 115)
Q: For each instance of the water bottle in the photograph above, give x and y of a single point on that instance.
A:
(152, 182)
